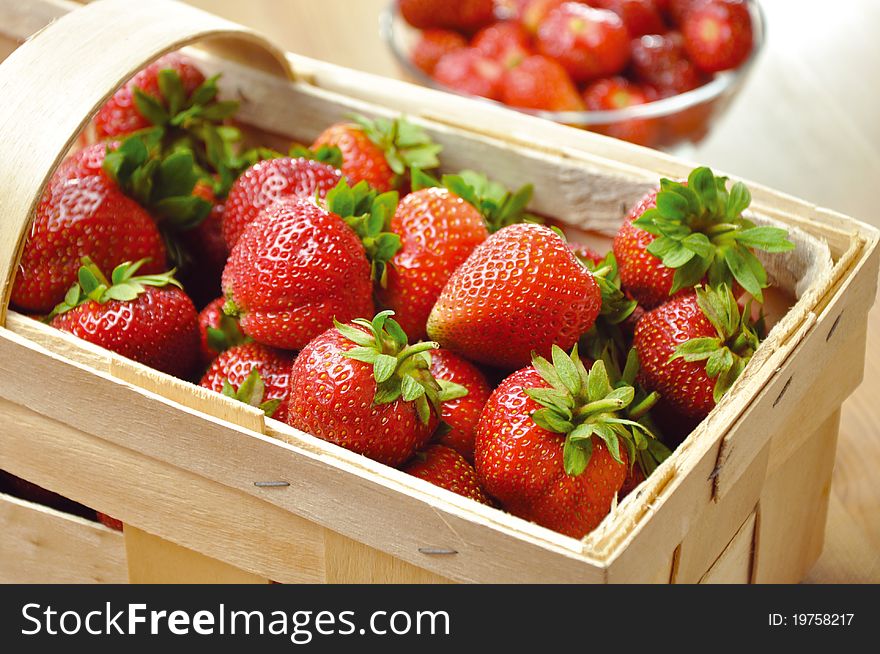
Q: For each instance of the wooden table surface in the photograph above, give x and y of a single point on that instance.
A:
(805, 124)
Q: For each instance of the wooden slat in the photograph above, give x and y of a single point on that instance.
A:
(154, 560)
(181, 507)
(734, 566)
(41, 545)
(351, 562)
(793, 508)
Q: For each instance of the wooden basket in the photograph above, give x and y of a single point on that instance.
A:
(210, 490)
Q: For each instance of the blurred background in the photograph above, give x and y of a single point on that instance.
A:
(805, 122)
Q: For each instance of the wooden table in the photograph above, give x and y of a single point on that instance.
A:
(805, 124)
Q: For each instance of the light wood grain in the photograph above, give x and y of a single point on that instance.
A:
(154, 560)
(806, 123)
(41, 545)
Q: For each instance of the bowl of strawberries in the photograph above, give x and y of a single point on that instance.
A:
(657, 73)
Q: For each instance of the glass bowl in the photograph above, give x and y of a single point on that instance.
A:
(665, 124)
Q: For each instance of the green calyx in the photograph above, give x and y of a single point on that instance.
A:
(701, 232)
(193, 121)
(251, 392)
(583, 404)
(123, 285)
(639, 409)
(401, 371)
(326, 154)
(499, 206)
(405, 145)
(737, 338)
(616, 308)
(226, 335)
(162, 183)
(369, 214)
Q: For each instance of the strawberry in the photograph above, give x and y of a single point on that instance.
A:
(589, 43)
(464, 392)
(438, 230)
(470, 72)
(299, 265)
(269, 181)
(172, 96)
(146, 318)
(639, 16)
(660, 61)
(607, 335)
(362, 386)
(379, 151)
(678, 9)
(553, 445)
(254, 374)
(432, 46)
(125, 112)
(461, 15)
(585, 254)
(109, 521)
(521, 290)
(540, 83)
(694, 347)
(446, 468)
(533, 12)
(82, 213)
(718, 34)
(614, 93)
(507, 42)
(217, 331)
(206, 250)
(684, 232)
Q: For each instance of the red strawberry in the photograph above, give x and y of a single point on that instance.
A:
(634, 477)
(82, 215)
(109, 521)
(533, 12)
(446, 468)
(255, 374)
(619, 93)
(585, 253)
(540, 83)
(678, 9)
(470, 72)
(361, 386)
(295, 268)
(217, 331)
(460, 412)
(660, 60)
(589, 43)
(463, 15)
(438, 231)
(506, 42)
(639, 16)
(693, 348)
(433, 45)
(206, 246)
(676, 236)
(553, 446)
(718, 34)
(379, 151)
(120, 115)
(642, 274)
(145, 318)
(269, 181)
(521, 291)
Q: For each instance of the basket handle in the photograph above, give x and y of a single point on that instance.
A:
(54, 83)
